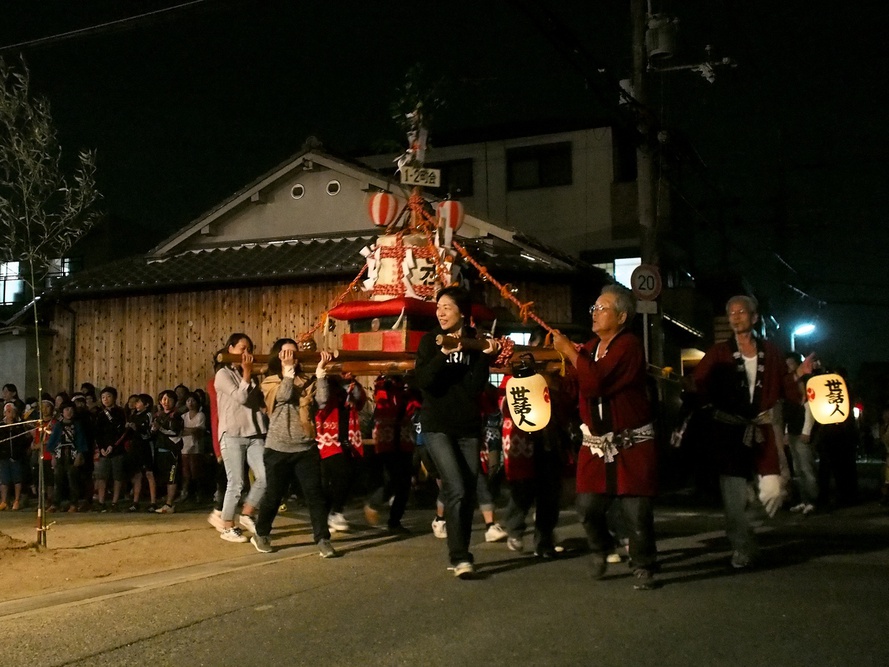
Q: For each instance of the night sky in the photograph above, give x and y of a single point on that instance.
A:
(782, 171)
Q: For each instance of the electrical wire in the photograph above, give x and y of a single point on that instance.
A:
(98, 28)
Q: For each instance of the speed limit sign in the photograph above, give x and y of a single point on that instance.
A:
(646, 282)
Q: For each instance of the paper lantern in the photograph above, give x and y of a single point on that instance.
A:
(450, 214)
(528, 397)
(828, 398)
(383, 208)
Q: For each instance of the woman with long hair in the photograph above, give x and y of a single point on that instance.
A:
(290, 450)
(242, 430)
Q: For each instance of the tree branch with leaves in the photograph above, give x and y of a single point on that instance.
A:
(42, 211)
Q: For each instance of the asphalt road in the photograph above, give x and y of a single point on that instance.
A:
(818, 599)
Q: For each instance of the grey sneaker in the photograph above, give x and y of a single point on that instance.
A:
(262, 544)
(644, 580)
(740, 560)
(326, 549)
(515, 544)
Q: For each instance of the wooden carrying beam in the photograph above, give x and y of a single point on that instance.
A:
(372, 362)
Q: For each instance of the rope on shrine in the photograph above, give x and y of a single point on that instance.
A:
(428, 224)
(308, 335)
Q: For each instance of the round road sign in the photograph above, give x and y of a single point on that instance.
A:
(646, 282)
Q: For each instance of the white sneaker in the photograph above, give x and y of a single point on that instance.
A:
(495, 533)
(798, 508)
(464, 570)
(247, 523)
(215, 520)
(233, 535)
(613, 557)
(808, 509)
(166, 509)
(440, 528)
(336, 521)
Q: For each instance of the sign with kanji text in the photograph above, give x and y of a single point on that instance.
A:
(646, 282)
(429, 178)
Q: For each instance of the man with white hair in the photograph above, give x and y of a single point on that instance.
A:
(741, 381)
(618, 460)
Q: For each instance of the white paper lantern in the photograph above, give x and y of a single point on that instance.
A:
(528, 398)
(828, 398)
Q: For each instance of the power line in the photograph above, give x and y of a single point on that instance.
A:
(99, 28)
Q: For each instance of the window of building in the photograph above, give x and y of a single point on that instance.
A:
(11, 283)
(456, 178)
(621, 269)
(542, 166)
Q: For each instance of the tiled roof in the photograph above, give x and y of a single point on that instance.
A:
(286, 261)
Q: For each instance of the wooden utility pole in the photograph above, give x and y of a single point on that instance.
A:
(646, 173)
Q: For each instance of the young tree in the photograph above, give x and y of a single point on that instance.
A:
(41, 212)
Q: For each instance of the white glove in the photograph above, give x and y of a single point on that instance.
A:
(771, 493)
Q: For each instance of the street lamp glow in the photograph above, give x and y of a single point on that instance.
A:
(802, 330)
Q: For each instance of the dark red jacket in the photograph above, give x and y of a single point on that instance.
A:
(619, 379)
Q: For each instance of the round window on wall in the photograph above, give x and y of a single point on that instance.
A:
(297, 191)
(333, 188)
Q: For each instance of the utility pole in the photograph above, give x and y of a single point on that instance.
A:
(646, 176)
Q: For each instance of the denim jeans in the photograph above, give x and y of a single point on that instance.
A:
(457, 460)
(638, 520)
(803, 454)
(234, 451)
(281, 469)
(736, 494)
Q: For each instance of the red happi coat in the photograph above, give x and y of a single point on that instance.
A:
(327, 431)
(518, 445)
(716, 379)
(619, 379)
(393, 408)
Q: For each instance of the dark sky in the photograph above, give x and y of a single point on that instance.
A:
(783, 174)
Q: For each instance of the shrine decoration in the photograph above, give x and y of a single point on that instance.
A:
(828, 398)
(450, 214)
(450, 219)
(527, 396)
(383, 208)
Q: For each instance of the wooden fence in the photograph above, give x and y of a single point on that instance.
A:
(149, 343)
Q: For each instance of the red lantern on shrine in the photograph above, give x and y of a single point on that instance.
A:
(383, 208)
(450, 214)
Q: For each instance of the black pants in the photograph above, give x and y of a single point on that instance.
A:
(391, 478)
(638, 515)
(67, 479)
(336, 480)
(545, 489)
(280, 470)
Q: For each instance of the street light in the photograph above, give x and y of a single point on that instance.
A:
(801, 330)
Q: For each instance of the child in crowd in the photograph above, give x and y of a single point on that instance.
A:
(110, 430)
(338, 433)
(13, 454)
(167, 430)
(194, 426)
(141, 455)
(69, 448)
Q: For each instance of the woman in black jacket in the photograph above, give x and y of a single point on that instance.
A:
(452, 380)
